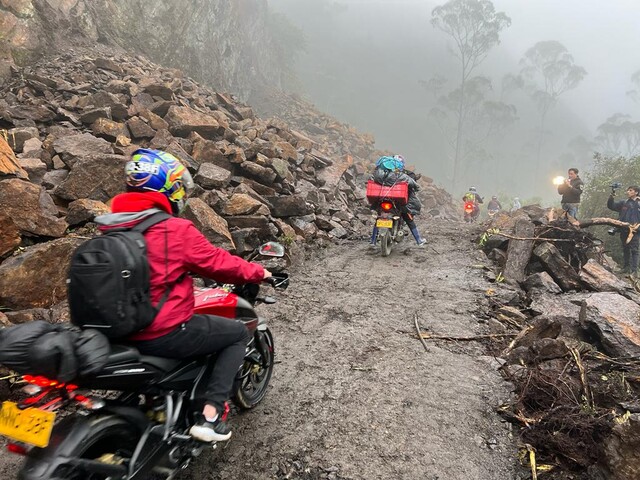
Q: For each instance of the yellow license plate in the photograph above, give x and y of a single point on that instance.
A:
(30, 425)
(384, 223)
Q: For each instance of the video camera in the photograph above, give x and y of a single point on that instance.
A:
(614, 186)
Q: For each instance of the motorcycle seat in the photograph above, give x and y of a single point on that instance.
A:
(122, 354)
(127, 354)
(161, 363)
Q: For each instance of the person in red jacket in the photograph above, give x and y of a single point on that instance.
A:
(157, 181)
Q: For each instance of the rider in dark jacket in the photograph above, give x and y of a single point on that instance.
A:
(387, 177)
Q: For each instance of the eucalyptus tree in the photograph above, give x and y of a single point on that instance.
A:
(619, 135)
(548, 70)
(474, 26)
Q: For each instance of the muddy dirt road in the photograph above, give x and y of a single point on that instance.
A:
(355, 395)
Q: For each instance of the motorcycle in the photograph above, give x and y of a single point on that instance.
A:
(390, 225)
(471, 211)
(492, 212)
(142, 427)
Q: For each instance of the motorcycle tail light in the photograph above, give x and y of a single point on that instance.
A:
(386, 206)
(17, 449)
(40, 381)
(468, 207)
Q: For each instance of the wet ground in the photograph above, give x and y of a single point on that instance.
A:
(355, 395)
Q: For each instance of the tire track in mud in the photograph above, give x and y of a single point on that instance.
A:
(354, 394)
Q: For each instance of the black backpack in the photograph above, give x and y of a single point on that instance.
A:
(108, 286)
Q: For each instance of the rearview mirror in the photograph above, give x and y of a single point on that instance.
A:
(271, 249)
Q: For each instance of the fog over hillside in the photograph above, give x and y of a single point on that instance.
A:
(368, 62)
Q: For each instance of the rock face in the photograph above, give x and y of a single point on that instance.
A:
(227, 44)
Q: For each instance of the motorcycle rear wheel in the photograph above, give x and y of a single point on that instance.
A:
(120, 439)
(254, 379)
(385, 242)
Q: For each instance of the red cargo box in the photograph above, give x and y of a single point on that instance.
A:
(399, 192)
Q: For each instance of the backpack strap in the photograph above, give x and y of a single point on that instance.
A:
(143, 226)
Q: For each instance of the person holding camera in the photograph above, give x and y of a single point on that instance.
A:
(630, 213)
(571, 190)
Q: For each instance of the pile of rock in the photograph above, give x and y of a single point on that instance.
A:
(339, 140)
(574, 359)
(69, 124)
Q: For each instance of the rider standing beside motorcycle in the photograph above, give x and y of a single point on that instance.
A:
(389, 173)
(157, 182)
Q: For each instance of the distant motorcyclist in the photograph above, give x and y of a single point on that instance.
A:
(494, 205)
(389, 171)
(473, 197)
(516, 204)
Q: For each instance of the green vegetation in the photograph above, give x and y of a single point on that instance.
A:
(286, 240)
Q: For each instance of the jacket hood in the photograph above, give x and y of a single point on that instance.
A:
(110, 220)
(131, 208)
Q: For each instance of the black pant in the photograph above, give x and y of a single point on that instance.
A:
(630, 251)
(204, 335)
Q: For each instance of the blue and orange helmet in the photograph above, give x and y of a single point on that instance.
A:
(158, 171)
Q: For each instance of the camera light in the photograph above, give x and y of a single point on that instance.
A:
(558, 180)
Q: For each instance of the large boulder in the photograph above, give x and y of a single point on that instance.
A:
(212, 225)
(8, 162)
(622, 450)
(37, 276)
(94, 177)
(72, 147)
(184, 120)
(615, 320)
(289, 206)
(31, 208)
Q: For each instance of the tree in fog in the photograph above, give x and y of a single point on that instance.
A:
(634, 94)
(619, 135)
(484, 118)
(548, 70)
(475, 28)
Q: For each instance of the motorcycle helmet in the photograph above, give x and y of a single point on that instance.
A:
(494, 197)
(472, 189)
(158, 171)
(399, 162)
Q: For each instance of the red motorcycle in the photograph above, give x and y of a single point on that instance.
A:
(141, 427)
(471, 211)
(387, 202)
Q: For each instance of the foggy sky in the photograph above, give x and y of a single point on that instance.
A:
(371, 76)
(603, 36)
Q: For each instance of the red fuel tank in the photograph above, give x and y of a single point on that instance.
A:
(216, 301)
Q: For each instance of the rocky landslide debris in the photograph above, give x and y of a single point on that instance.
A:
(69, 124)
(573, 354)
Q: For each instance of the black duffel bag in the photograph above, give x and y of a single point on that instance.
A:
(54, 351)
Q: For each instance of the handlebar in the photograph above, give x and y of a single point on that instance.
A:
(278, 280)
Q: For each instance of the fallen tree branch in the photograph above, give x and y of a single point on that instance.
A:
(633, 227)
(415, 321)
(428, 336)
(583, 376)
(513, 237)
